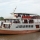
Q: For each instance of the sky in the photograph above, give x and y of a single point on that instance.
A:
(23, 6)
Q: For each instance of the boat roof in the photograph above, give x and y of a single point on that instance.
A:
(12, 19)
(26, 13)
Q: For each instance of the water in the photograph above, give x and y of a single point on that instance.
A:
(32, 36)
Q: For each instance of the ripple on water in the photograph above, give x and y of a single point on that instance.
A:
(32, 36)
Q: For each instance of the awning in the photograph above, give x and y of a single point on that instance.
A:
(6, 23)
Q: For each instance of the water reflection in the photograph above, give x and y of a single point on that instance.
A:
(32, 36)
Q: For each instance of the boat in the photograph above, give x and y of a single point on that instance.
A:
(20, 23)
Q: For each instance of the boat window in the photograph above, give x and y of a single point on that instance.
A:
(1, 23)
(6, 25)
(30, 26)
(31, 21)
(37, 26)
(5, 20)
(17, 27)
(25, 21)
(10, 20)
(23, 26)
(16, 21)
(26, 26)
(20, 26)
(19, 15)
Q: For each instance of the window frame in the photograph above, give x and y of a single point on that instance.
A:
(31, 21)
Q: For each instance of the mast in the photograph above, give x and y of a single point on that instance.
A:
(14, 10)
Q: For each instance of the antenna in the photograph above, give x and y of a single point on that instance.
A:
(14, 10)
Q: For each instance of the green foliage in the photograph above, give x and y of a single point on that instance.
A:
(1, 18)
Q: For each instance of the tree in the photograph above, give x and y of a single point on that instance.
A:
(1, 18)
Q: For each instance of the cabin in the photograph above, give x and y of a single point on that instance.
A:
(22, 18)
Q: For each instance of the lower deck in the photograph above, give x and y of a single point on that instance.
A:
(15, 26)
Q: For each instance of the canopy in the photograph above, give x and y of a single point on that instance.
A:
(6, 23)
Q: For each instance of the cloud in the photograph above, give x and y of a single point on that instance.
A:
(19, 2)
(28, 6)
(3, 2)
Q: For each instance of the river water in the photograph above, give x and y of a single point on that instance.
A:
(31, 36)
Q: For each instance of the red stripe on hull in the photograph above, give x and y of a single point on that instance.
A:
(16, 32)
